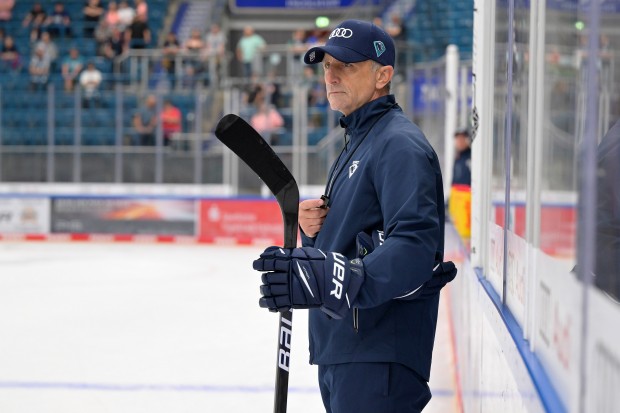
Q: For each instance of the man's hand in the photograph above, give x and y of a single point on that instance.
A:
(308, 278)
(312, 214)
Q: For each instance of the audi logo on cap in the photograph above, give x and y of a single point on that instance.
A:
(341, 32)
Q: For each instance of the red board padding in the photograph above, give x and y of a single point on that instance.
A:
(241, 221)
(221, 221)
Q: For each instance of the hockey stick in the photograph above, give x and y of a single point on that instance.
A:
(244, 141)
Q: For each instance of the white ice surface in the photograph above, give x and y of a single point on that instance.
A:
(151, 328)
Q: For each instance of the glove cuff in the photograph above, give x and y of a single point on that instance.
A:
(348, 278)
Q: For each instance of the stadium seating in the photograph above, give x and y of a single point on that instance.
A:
(25, 112)
(431, 26)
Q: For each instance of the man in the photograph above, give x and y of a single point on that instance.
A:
(71, 68)
(39, 69)
(462, 162)
(145, 122)
(371, 243)
(247, 48)
(59, 21)
(138, 34)
(171, 121)
(90, 79)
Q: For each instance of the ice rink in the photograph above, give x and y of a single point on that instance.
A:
(155, 328)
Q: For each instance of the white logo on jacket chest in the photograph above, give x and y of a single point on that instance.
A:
(353, 168)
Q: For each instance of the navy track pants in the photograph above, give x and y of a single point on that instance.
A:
(372, 388)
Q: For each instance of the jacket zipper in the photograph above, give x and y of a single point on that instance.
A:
(356, 319)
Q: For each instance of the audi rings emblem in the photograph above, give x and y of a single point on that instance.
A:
(341, 32)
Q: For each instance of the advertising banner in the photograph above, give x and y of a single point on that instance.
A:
(241, 221)
(295, 4)
(24, 215)
(99, 215)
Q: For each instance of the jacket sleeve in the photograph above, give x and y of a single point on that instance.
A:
(306, 241)
(406, 179)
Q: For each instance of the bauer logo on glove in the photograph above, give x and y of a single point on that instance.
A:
(308, 278)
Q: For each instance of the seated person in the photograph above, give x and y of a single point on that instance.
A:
(58, 22)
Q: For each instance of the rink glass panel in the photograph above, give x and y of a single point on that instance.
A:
(495, 266)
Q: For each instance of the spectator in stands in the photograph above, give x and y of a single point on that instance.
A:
(145, 122)
(2, 34)
(58, 22)
(266, 117)
(113, 46)
(90, 80)
(170, 51)
(397, 29)
(215, 43)
(138, 35)
(6, 10)
(93, 11)
(49, 49)
(126, 15)
(171, 121)
(142, 9)
(194, 44)
(267, 121)
(103, 32)
(111, 17)
(315, 38)
(10, 60)
(297, 45)
(189, 77)
(317, 97)
(247, 48)
(71, 68)
(215, 47)
(35, 20)
(39, 69)
(194, 48)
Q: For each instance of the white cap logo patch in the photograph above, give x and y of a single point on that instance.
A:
(312, 57)
(353, 168)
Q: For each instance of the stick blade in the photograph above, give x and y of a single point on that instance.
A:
(248, 145)
(252, 149)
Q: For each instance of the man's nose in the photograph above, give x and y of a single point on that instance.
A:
(331, 77)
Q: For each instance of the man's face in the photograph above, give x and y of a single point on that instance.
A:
(349, 85)
(461, 142)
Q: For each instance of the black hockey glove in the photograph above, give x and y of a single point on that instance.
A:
(308, 278)
(443, 272)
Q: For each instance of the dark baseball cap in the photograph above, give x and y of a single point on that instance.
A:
(355, 41)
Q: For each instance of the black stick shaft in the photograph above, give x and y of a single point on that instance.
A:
(252, 149)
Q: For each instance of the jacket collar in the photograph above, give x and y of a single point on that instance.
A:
(362, 119)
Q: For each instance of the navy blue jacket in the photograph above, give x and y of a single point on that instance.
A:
(462, 168)
(389, 179)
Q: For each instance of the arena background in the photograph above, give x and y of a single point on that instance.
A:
(534, 308)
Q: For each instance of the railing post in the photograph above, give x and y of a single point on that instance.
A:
(144, 75)
(1, 141)
(452, 67)
(159, 140)
(118, 134)
(198, 137)
(77, 135)
(50, 132)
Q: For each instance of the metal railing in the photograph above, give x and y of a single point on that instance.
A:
(54, 136)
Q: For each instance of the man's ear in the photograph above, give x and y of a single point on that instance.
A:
(383, 76)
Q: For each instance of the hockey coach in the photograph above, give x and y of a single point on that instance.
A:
(371, 266)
